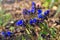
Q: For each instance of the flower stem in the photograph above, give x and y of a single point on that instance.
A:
(57, 13)
(51, 3)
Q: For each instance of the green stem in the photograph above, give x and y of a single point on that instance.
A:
(51, 3)
(57, 13)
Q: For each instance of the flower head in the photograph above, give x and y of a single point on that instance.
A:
(33, 9)
(8, 33)
(20, 23)
(40, 16)
(3, 33)
(34, 20)
(46, 12)
(26, 12)
(39, 11)
(31, 21)
(33, 4)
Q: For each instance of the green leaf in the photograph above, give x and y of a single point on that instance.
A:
(11, 28)
(1, 21)
(40, 38)
(45, 26)
(6, 18)
(46, 4)
(48, 0)
(52, 30)
(2, 12)
(44, 32)
(56, 0)
(41, 25)
(23, 38)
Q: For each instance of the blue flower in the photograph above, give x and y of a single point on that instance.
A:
(34, 20)
(39, 11)
(19, 22)
(26, 12)
(8, 33)
(40, 16)
(31, 21)
(3, 33)
(46, 12)
(33, 4)
(33, 10)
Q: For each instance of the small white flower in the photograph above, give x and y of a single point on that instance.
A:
(12, 22)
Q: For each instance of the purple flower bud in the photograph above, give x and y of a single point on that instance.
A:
(46, 12)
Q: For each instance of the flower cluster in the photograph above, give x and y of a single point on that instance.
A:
(32, 21)
(6, 33)
(33, 10)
